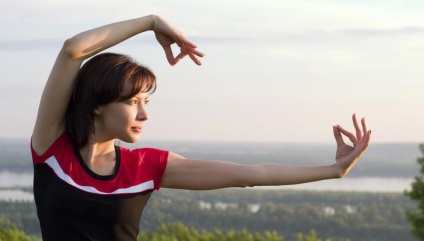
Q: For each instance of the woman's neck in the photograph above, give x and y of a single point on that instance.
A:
(100, 157)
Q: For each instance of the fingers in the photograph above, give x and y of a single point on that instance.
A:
(364, 126)
(357, 128)
(364, 142)
(192, 53)
(185, 50)
(193, 50)
(169, 55)
(360, 133)
(338, 136)
(166, 34)
(188, 49)
(349, 135)
(195, 60)
(186, 42)
(367, 138)
(178, 58)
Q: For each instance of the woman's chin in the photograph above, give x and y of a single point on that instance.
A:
(131, 139)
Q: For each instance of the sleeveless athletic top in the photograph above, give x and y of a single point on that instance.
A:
(74, 203)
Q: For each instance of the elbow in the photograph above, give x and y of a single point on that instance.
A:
(248, 176)
(244, 184)
(70, 48)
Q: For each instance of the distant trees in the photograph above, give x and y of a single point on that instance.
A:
(417, 194)
(178, 231)
(334, 215)
(337, 215)
(9, 232)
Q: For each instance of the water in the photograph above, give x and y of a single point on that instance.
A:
(15, 195)
(12, 180)
(354, 184)
(384, 167)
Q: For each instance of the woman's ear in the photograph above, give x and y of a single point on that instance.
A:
(98, 110)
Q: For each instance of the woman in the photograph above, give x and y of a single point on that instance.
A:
(85, 187)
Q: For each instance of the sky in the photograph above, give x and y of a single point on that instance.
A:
(274, 71)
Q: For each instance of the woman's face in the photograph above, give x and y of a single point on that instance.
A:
(122, 120)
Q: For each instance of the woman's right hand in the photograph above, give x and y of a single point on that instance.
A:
(166, 34)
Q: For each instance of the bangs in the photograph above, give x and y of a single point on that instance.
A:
(137, 80)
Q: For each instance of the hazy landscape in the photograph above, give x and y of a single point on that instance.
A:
(367, 205)
(386, 167)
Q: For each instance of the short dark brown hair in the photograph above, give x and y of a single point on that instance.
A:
(103, 79)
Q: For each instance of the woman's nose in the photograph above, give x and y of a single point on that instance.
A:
(142, 113)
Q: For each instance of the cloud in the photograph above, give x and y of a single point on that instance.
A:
(283, 37)
(30, 44)
(382, 32)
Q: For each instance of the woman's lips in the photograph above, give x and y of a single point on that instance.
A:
(136, 129)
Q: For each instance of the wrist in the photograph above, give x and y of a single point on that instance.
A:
(153, 18)
(152, 21)
(337, 171)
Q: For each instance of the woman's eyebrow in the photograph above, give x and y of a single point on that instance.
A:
(142, 96)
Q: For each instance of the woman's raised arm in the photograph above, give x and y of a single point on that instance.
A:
(50, 122)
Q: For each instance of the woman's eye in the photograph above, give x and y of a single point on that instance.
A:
(135, 102)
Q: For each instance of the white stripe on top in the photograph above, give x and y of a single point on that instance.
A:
(52, 162)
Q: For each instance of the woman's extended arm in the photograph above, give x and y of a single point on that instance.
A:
(50, 122)
(183, 173)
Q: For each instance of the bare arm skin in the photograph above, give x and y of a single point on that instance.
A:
(183, 173)
(50, 122)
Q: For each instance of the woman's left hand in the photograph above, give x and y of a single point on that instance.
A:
(346, 155)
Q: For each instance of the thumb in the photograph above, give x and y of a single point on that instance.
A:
(169, 54)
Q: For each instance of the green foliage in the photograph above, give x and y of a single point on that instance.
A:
(23, 214)
(311, 237)
(335, 215)
(417, 194)
(180, 232)
(9, 232)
